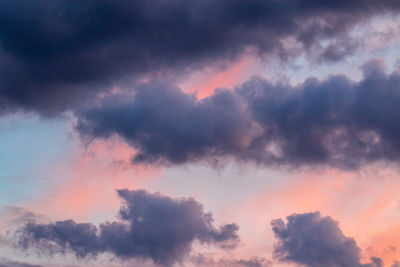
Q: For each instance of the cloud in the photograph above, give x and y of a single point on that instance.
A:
(59, 55)
(9, 263)
(17, 216)
(204, 260)
(11, 219)
(315, 241)
(334, 122)
(151, 226)
(166, 124)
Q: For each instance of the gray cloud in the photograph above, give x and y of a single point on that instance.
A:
(151, 226)
(9, 263)
(169, 125)
(315, 241)
(204, 260)
(59, 55)
(333, 122)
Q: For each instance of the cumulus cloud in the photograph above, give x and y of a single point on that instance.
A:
(151, 226)
(166, 124)
(57, 55)
(334, 122)
(315, 241)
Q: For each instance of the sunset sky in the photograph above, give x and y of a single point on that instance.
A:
(222, 133)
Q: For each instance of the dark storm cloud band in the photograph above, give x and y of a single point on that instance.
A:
(152, 226)
(334, 122)
(57, 55)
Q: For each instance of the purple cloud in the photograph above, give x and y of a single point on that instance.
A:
(151, 226)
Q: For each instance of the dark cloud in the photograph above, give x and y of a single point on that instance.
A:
(334, 122)
(58, 54)
(166, 124)
(151, 226)
(315, 241)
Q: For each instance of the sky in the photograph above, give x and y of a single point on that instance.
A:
(222, 133)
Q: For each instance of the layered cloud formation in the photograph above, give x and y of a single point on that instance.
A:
(335, 122)
(57, 55)
(152, 226)
(114, 67)
(68, 55)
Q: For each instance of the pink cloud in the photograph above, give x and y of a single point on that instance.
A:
(204, 82)
(366, 204)
(87, 188)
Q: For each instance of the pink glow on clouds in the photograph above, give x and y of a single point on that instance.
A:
(366, 205)
(204, 82)
(379, 34)
(88, 191)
